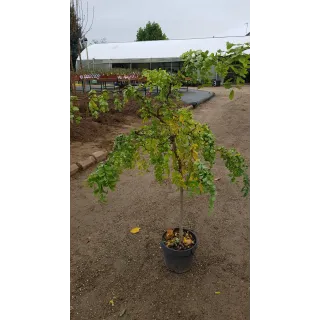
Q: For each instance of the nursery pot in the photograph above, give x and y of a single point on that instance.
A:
(179, 261)
(216, 83)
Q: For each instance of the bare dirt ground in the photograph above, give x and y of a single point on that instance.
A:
(107, 262)
(98, 135)
(94, 135)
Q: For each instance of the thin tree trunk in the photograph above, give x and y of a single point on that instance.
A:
(181, 216)
(73, 89)
(73, 84)
(169, 178)
(71, 63)
(174, 149)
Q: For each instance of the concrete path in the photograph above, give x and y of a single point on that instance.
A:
(195, 97)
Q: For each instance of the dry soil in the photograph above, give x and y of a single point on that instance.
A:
(110, 263)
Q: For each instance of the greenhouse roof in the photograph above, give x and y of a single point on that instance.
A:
(157, 49)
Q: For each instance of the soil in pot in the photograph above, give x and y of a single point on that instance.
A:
(178, 256)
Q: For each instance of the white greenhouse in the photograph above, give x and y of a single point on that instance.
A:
(164, 54)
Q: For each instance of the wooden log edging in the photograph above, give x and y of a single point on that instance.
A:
(82, 165)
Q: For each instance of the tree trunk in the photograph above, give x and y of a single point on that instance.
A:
(169, 176)
(174, 149)
(181, 216)
(72, 83)
(71, 62)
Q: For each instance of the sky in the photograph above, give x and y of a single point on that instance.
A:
(118, 21)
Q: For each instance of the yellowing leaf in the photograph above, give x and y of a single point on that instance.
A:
(200, 187)
(169, 234)
(135, 230)
(111, 302)
(217, 292)
(181, 118)
(195, 155)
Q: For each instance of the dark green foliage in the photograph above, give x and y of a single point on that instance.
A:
(152, 31)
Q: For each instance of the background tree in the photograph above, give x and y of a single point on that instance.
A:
(152, 31)
(78, 29)
(75, 36)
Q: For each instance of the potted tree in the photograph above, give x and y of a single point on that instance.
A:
(178, 148)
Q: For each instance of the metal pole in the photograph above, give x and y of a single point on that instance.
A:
(87, 56)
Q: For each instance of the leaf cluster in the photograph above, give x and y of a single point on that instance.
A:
(74, 110)
(98, 103)
(198, 64)
(171, 143)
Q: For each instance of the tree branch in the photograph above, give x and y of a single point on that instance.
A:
(174, 149)
(170, 87)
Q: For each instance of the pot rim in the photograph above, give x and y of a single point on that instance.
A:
(173, 250)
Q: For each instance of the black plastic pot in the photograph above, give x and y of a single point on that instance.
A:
(179, 261)
(216, 83)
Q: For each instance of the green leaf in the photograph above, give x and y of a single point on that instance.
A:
(231, 94)
(229, 45)
(242, 60)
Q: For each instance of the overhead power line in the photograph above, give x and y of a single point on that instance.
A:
(213, 37)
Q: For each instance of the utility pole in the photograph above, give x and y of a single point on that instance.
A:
(85, 41)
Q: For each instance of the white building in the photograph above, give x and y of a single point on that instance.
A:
(164, 54)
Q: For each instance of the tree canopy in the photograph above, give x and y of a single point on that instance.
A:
(152, 31)
(179, 148)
